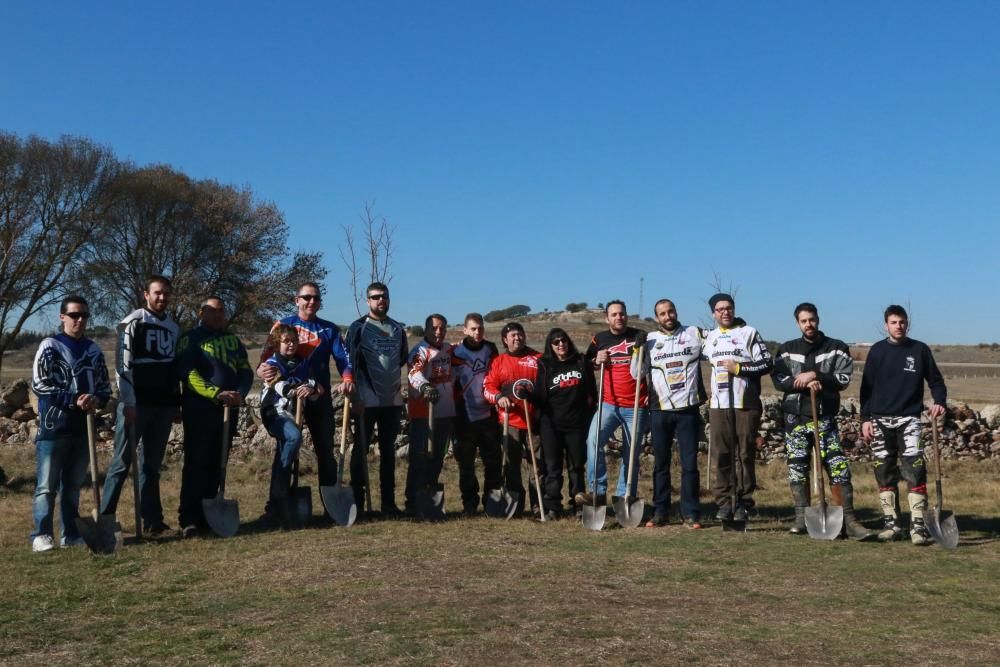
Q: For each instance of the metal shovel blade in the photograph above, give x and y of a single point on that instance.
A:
(824, 522)
(103, 536)
(222, 515)
(594, 517)
(943, 527)
(302, 503)
(628, 511)
(734, 526)
(341, 506)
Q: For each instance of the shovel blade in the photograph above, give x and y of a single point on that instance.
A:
(500, 504)
(628, 511)
(222, 515)
(824, 522)
(594, 517)
(943, 527)
(103, 536)
(340, 504)
(302, 503)
(734, 526)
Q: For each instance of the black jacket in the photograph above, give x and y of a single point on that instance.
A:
(829, 358)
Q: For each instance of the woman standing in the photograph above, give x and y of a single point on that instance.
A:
(566, 395)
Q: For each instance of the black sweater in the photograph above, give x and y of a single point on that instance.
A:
(565, 391)
(893, 382)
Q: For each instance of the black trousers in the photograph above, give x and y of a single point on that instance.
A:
(559, 445)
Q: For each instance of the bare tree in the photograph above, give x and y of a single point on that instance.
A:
(53, 197)
(376, 249)
(717, 284)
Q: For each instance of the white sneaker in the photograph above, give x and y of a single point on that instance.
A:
(71, 542)
(42, 543)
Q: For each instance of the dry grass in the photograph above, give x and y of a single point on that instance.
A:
(478, 590)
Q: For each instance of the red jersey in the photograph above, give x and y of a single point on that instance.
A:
(619, 385)
(504, 370)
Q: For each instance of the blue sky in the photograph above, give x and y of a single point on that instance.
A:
(547, 152)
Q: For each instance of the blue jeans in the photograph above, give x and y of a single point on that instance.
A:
(612, 416)
(61, 468)
(665, 425)
(424, 471)
(289, 439)
(152, 428)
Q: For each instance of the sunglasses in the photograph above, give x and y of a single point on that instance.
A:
(378, 297)
(560, 341)
(308, 297)
(77, 316)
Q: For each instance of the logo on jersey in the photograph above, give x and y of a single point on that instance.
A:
(567, 379)
(910, 366)
(159, 343)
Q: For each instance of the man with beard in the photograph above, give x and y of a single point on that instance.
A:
(739, 359)
(511, 377)
(475, 419)
(817, 363)
(676, 390)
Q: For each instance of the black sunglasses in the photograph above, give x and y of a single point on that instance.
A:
(378, 297)
(308, 297)
(560, 341)
(77, 316)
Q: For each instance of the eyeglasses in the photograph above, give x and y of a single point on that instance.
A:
(560, 341)
(724, 309)
(378, 297)
(308, 297)
(77, 316)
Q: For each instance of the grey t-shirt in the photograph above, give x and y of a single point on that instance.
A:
(379, 385)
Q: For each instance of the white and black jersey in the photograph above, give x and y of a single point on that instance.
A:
(745, 346)
(673, 368)
(145, 363)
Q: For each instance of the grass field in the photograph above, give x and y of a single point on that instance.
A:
(480, 591)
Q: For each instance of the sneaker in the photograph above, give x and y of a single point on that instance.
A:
(470, 510)
(390, 511)
(189, 531)
(658, 521)
(551, 515)
(157, 529)
(692, 524)
(42, 543)
(741, 513)
(891, 531)
(77, 541)
(919, 534)
(725, 513)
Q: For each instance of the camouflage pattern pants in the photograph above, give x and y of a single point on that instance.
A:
(799, 446)
(895, 440)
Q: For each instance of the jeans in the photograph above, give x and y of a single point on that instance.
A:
(289, 440)
(152, 428)
(684, 425)
(201, 472)
(61, 468)
(425, 471)
(386, 418)
(612, 416)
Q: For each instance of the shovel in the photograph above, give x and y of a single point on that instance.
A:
(136, 500)
(222, 516)
(300, 496)
(732, 525)
(101, 532)
(502, 503)
(363, 430)
(940, 523)
(594, 516)
(823, 522)
(628, 510)
(343, 509)
(430, 497)
(534, 463)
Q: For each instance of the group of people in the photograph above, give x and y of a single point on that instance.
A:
(482, 400)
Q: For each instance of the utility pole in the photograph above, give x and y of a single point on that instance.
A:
(641, 281)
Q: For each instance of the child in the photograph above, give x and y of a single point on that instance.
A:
(277, 410)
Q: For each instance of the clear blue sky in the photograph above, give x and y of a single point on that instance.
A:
(548, 152)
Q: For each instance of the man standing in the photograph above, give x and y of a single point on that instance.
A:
(215, 372)
(148, 402)
(430, 379)
(377, 346)
(892, 398)
(676, 390)
(739, 358)
(475, 419)
(70, 379)
(509, 379)
(817, 363)
(614, 348)
(318, 341)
